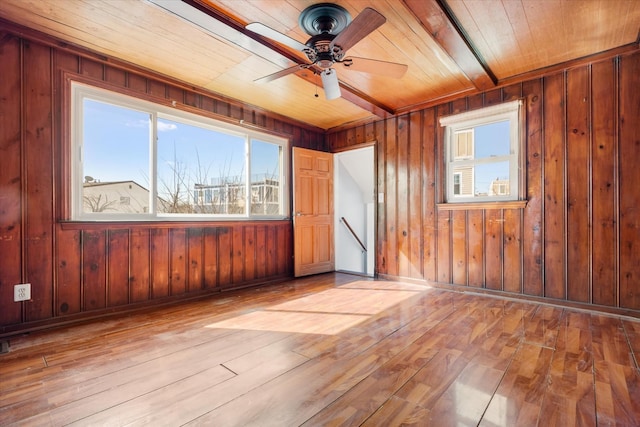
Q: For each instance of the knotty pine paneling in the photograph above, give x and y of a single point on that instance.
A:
(577, 240)
(11, 224)
(629, 179)
(37, 178)
(82, 269)
(603, 184)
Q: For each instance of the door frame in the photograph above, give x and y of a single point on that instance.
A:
(378, 199)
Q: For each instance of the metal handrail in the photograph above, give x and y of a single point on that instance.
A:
(353, 233)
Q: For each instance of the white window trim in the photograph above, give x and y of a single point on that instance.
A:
(79, 91)
(507, 111)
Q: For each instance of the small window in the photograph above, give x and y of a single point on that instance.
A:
(483, 154)
(133, 159)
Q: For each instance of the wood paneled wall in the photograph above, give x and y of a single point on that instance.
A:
(577, 240)
(83, 268)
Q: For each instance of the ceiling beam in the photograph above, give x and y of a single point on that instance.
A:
(220, 23)
(438, 20)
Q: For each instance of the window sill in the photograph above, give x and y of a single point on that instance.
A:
(513, 204)
(102, 224)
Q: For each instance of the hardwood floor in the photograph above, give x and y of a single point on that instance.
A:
(332, 350)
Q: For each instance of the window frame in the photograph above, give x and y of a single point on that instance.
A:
(510, 111)
(78, 91)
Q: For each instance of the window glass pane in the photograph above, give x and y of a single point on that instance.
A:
(463, 144)
(457, 180)
(492, 140)
(463, 180)
(200, 171)
(115, 159)
(266, 165)
(492, 179)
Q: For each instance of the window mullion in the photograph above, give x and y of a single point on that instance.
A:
(153, 160)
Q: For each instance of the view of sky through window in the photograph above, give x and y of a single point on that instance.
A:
(116, 147)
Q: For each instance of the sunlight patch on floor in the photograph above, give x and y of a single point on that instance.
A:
(328, 313)
(284, 321)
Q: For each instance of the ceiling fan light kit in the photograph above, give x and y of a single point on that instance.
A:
(332, 33)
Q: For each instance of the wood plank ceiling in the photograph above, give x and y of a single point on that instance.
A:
(204, 43)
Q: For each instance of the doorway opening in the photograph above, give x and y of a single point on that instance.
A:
(354, 187)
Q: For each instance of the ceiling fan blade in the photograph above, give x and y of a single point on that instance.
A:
(373, 66)
(281, 73)
(363, 24)
(272, 34)
(330, 84)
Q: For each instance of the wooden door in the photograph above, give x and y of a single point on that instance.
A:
(312, 212)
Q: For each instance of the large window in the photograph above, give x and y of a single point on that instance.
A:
(134, 159)
(483, 154)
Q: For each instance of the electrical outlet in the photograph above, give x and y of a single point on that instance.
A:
(22, 292)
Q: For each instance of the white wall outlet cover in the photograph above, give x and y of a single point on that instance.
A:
(22, 292)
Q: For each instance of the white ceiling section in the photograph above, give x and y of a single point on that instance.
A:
(451, 47)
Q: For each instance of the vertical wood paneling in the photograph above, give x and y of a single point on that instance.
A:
(512, 251)
(443, 257)
(578, 184)
(283, 242)
(10, 180)
(136, 82)
(604, 183)
(225, 256)
(475, 236)
(629, 182)
(195, 259)
(38, 180)
(237, 254)
(429, 213)
(249, 252)
(403, 252)
(492, 97)
(459, 247)
(444, 247)
(415, 193)
(511, 93)
(94, 281)
(69, 281)
(272, 251)
(381, 207)
(391, 200)
(210, 258)
(115, 76)
(554, 170)
(91, 68)
(159, 263)
(261, 252)
(533, 226)
(493, 248)
(287, 256)
(178, 261)
(140, 274)
(118, 267)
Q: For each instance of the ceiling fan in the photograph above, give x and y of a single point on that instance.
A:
(332, 33)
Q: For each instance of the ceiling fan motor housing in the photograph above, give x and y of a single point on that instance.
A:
(324, 18)
(321, 52)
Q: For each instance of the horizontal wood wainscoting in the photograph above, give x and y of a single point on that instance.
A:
(89, 268)
(577, 239)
